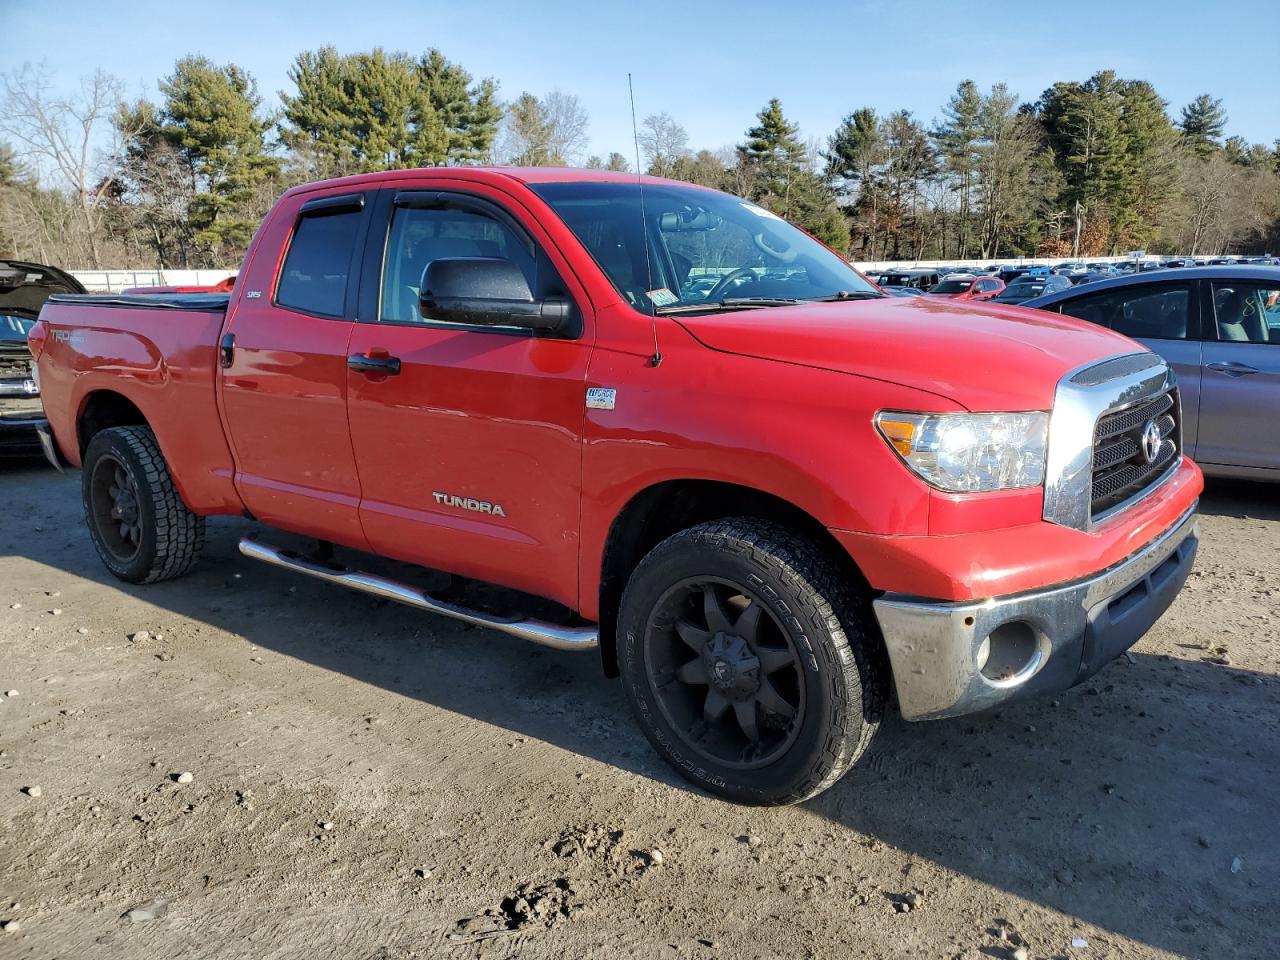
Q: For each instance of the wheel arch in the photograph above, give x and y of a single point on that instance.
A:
(667, 507)
(101, 409)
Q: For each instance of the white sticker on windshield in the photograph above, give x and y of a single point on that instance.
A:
(662, 297)
(759, 211)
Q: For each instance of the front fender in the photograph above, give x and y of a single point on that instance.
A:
(802, 434)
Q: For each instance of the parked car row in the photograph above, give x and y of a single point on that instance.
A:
(1216, 323)
(1219, 329)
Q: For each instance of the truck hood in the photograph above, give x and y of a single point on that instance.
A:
(24, 287)
(982, 356)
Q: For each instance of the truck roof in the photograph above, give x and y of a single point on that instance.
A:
(492, 174)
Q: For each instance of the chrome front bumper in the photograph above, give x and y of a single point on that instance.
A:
(950, 659)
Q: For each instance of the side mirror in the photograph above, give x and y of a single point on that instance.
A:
(488, 291)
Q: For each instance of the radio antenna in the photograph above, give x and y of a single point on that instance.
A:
(656, 359)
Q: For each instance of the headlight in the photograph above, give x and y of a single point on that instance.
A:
(970, 452)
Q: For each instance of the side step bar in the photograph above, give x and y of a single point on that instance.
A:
(547, 634)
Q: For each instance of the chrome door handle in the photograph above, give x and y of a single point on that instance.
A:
(1232, 368)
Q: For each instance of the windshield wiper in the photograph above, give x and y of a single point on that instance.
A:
(728, 303)
(847, 295)
(743, 303)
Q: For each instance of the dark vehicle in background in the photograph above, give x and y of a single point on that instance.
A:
(903, 291)
(966, 286)
(1219, 329)
(1029, 287)
(1090, 276)
(24, 287)
(920, 279)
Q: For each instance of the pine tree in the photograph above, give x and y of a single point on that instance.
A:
(776, 166)
(211, 117)
(957, 138)
(1150, 164)
(855, 153)
(1082, 123)
(378, 111)
(1203, 122)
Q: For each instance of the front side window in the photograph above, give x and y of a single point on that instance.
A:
(317, 266)
(420, 235)
(704, 250)
(951, 286)
(1145, 313)
(1247, 312)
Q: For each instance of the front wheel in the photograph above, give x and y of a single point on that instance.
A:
(749, 663)
(139, 524)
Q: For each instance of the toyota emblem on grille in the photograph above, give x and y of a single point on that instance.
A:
(1151, 441)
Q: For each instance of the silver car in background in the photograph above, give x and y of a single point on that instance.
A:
(1219, 328)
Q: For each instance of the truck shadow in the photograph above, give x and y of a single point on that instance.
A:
(1123, 802)
(1240, 498)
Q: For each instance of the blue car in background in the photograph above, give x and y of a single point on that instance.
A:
(1219, 329)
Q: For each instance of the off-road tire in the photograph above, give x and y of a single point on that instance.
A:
(171, 536)
(827, 619)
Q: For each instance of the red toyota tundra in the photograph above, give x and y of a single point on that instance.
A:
(769, 494)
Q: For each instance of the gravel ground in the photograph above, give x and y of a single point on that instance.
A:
(371, 782)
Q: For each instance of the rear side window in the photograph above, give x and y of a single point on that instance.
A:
(1148, 313)
(318, 264)
(1247, 312)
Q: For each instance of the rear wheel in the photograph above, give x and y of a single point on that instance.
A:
(748, 662)
(139, 524)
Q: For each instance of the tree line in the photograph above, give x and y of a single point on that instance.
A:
(1096, 167)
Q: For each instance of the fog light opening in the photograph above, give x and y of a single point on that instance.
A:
(1010, 653)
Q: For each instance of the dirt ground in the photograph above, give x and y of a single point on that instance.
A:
(486, 798)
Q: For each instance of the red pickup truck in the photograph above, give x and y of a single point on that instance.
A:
(769, 494)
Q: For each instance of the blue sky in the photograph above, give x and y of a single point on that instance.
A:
(711, 65)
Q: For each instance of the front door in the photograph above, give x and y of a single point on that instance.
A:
(283, 394)
(470, 455)
(1241, 394)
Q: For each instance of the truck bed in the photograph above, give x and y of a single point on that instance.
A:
(210, 302)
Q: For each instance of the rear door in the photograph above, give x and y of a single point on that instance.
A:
(470, 455)
(284, 392)
(1240, 407)
(1164, 317)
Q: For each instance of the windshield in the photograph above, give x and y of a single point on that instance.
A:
(705, 248)
(951, 286)
(14, 329)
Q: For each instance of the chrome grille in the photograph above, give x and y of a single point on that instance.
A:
(1121, 468)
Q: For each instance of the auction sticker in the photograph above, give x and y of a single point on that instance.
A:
(662, 297)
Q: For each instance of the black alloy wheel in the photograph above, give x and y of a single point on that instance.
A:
(724, 672)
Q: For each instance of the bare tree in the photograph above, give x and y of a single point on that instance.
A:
(663, 142)
(543, 132)
(59, 135)
(566, 127)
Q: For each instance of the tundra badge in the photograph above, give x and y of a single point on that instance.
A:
(470, 503)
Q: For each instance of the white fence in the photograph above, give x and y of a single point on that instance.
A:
(875, 266)
(113, 281)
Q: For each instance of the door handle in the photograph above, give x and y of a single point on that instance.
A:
(380, 366)
(1232, 368)
(227, 350)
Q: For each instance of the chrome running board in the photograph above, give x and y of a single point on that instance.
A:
(547, 634)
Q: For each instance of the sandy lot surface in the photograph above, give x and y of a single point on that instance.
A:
(490, 799)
